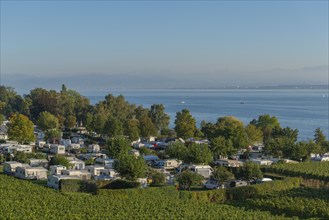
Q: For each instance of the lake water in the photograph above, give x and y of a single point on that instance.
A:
(302, 109)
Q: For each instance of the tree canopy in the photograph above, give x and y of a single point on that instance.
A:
(118, 146)
(221, 174)
(185, 124)
(21, 129)
(250, 171)
(47, 121)
(131, 167)
(187, 179)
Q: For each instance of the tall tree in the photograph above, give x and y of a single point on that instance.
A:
(198, 154)
(221, 174)
(254, 134)
(43, 100)
(266, 123)
(221, 147)
(71, 121)
(21, 129)
(131, 129)
(250, 171)
(187, 179)
(158, 116)
(146, 126)
(113, 127)
(208, 129)
(10, 101)
(319, 137)
(232, 129)
(2, 118)
(131, 167)
(177, 150)
(185, 124)
(118, 146)
(47, 121)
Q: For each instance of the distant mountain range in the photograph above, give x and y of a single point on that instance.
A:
(304, 78)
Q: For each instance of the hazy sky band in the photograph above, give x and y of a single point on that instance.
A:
(175, 37)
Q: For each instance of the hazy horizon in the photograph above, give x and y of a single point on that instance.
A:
(163, 44)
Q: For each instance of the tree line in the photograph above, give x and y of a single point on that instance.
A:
(54, 111)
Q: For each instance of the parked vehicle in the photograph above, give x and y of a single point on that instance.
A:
(238, 183)
(203, 170)
(264, 180)
(211, 184)
(167, 164)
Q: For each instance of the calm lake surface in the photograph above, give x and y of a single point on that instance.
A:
(302, 109)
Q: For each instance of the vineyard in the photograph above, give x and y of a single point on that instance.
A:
(301, 202)
(310, 170)
(26, 200)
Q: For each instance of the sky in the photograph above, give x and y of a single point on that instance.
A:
(208, 42)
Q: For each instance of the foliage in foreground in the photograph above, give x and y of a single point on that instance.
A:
(308, 170)
(25, 200)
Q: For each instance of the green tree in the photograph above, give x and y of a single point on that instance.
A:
(187, 179)
(177, 150)
(221, 174)
(118, 146)
(158, 179)
(266, 123)
(319, 137)
(146, 151)
(113, 127)
(208, 129)
(60, 160)
(130, 167)
(52, 135)
(198, 154)
(254, 134)
(159, 118)
(131, 129)
(44, 101)
(299, 151)
(47, 121)
(146, 126)
(185, 124)
(281, 143)
(10, 102)
(250, 171)
(221, 147)
(88, 120)
(71, 121)
(21, 129)
(2, 119)
(98, 123)
(232, 129)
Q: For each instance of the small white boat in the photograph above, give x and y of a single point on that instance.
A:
(183, 102)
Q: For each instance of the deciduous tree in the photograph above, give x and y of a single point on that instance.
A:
(221, 147)
(187, 179)
(185, 124)
(21, 129)
(118, 146)
(250, 171)
(221, 174)
(47, 121)
(158, 116)
(198, 154)
(177, 150)
(131, 167)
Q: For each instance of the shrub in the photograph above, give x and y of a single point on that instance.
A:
(123, 184)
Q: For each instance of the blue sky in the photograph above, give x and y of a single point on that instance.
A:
(228, 40)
